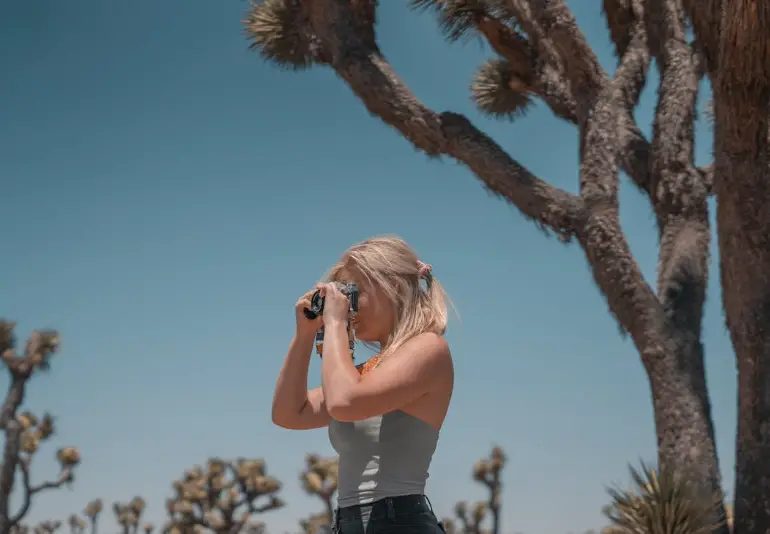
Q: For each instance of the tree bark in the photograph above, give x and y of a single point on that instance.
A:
(735, 37)
(743, 196)
(679, 194)
(12, 447)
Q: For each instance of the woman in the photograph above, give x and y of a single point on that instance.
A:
(384, 416)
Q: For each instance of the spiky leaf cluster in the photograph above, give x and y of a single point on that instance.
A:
(458, 18)
(93, 509)
(499, 91)
(68, 457)
(35, 430)
(222, 497)
(38, 349)
(662, 502)
(276, 30)
(320, 476)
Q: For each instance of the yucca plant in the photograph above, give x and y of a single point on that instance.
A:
(662, 501)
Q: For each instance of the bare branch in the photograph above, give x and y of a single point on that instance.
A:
(354, 56)
(29, 490)
(615, 270)
(620, 20)
(546, 75)
(581, 65)
(705, 16)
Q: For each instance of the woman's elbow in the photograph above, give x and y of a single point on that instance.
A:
(283, 419)
(342, 411)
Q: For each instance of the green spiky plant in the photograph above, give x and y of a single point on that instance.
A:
(25, 432)
(662, 501)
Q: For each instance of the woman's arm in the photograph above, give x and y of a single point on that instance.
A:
(294, 407)
(414, 370)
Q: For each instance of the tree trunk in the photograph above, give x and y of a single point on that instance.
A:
(743, 197)
(740, 75)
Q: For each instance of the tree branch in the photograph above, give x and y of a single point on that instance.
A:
(679, 190)
(13, 431)
(550, 77)
(352, 52)
(581, 66)
(615, 270)
(357, 60)
(30, 490)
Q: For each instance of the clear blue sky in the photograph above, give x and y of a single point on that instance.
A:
(166, 196)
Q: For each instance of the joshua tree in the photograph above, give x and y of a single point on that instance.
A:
(320, 479)
(92, 511)
(25, 432)
(46, 527)
(487, 471)
(541, 53)
(661, 502)
(129, 516)
(222, 498)
(77, 524)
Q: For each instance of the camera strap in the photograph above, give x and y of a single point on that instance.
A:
(319, 336)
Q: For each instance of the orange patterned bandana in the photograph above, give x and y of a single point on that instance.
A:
(368, 365)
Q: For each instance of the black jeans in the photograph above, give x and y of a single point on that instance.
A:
(407, 514)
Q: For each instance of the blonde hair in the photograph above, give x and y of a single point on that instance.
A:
(389, 264)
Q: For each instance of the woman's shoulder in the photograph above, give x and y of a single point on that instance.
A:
(432, 342)
(429, 348)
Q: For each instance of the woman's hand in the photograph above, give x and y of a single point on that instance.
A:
(336, 304)
(305, 326)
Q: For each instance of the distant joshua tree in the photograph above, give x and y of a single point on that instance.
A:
(487, 471)
(129, 516)
(77, 524)
(320, 478)
(223, 498)
(25, 432)
(46, 527)
(92, 511)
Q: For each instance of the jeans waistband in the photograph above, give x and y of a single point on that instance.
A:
(387, 507)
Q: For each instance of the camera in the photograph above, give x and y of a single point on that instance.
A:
(317, 301)
(317, 308)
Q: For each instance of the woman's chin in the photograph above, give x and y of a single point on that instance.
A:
(361, 336)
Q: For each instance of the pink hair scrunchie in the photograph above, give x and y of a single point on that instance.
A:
(424, 269)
